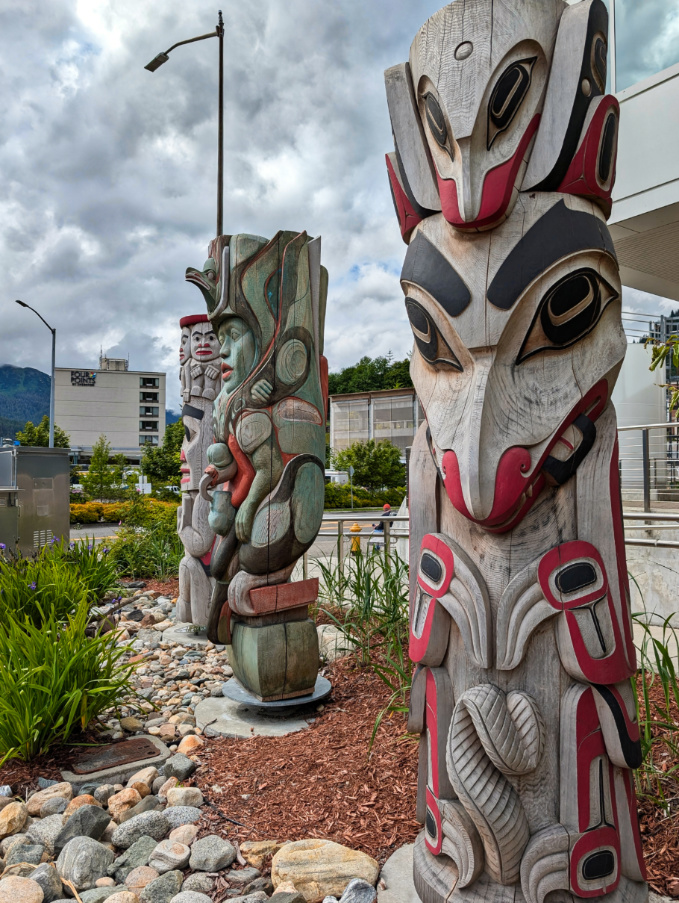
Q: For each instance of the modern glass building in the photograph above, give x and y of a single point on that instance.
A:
(393, 414)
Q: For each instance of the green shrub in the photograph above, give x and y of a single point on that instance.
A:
(339, 496)
(93, 565)
(54, 680)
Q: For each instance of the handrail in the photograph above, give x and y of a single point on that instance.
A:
(648, 426)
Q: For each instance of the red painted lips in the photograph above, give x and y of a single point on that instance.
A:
(226, 371)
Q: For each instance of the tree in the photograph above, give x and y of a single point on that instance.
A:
(39, 436)
(377, 465)
(161, 464)
(103, 480)
(371, 375)
(662, 353)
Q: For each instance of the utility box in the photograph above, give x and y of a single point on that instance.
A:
(34, 497)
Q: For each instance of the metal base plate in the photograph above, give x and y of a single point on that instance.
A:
(234, 690)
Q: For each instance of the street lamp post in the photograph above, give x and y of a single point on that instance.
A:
(54, 342)
(158, 61)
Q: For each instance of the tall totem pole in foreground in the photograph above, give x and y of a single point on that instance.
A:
(520, 612)
(266, 302)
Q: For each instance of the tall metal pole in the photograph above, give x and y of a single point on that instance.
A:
(220, 149)
(54, 342)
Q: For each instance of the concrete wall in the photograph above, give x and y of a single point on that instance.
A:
(111, 407)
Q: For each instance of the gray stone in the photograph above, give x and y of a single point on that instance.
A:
(170, 855)
(358, 891)
(103, 793)
(199, 882)
(7, 844)
(227, 718)
(242, 877)
(55, 806)
(83, 861)
(265, 884)
(134, 857)
(179, 766)
(44, 783)
(158, 783)
(163, 889)
(46, 876)
(191, 896)
(87, 821)
(27, 852)
(290, 898)
(260, 897)
(151, 824)
(150, 803)
(99, 894)
(211, 853)
(397, 875)
(181, 815)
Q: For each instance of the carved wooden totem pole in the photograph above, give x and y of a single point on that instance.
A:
(520, 611)
(198, 340)
(266, 301)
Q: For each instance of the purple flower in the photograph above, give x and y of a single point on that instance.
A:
(89, 548)
(71, 545)
(32, 586)
(54, 539)
(105, 551)
(2, 547)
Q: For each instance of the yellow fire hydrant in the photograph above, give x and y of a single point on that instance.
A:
(355, 539)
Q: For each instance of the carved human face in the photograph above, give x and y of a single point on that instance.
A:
(481, 110)
(518, 343)
(237, 352)
(197, 437)
(204, 343)
(185, 345)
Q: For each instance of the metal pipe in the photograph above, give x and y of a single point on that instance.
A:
(220, 130)
(651, 517)
(54, 353)
(646, 464)
(652, 543)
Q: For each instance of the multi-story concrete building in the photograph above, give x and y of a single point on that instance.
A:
(126, 406)
(393, 414)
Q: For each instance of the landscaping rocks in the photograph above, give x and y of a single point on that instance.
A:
(289, 898)
(357, 891)
(77, 802)
(162, 889)
(20, 890)
(184, 796)
(135, 856)
(46, 831)
(170, 855)
(26, 852)
(98, 894)
(190, 896)
(259, 884)
(56, 806)
(148, 824)
(47, 877)
(321, 868)
(87, 821)
(243, 877)
(180, 767)
(121, 802)
(211, 853)
(176, 816)
(184, 834)
(138, 878)
(199, 882)
(59, 791)
(150, 803)
(124, 896)
(83, 860)
(251, 898)
(255, 852)
(12, 819)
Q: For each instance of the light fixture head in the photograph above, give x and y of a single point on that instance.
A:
(21, 303)
(157, 62)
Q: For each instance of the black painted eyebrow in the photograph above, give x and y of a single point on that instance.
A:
(559, 233)
(427, 268)
(189, 411)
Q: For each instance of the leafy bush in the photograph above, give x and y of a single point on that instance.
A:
(54, 679)
(339, 496)
(148, 544)
(137, 511)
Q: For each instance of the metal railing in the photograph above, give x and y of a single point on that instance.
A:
(649, 466)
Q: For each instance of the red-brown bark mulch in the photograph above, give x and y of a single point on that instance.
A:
(321, 782)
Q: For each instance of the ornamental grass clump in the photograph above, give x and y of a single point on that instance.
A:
(54, 679)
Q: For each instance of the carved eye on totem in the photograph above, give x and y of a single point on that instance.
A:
(437, 124)
(211, 276)
(599, 62)
(569, 311)
(507, 97)
(430, 343)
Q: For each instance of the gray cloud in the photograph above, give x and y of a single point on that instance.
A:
(108, 188)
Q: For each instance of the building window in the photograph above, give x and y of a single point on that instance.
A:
(148, 440)
(148, 396)
(149, 382)
(148, 411)
(350, 423)
(149, 426)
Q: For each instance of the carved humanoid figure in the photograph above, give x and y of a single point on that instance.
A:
(520, 609)
(266, 302)
(204, 366)
(195, 532)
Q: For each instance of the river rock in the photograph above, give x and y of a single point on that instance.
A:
(255, 852)
(98, 894)
(83, 860)
(87, 821)
(62, 791)
(321, 868)
(103, 793)
(211, 853)
(181, 815)
(243, 877)
(134, 857)
(179, 766)
(138, 878)
(148, 824)
(123, 896)
(357, 891)
(169, 855)
(47, 877)
(190, 744)
(13, 818)
(83, 800)
(20, 890)
(145, 776)
(191, 896)
(30, 853)
(184, 834)
(184, 796)
(46, 831)
(56, 806)
(163, 889)
(121, 802)
(199, 882)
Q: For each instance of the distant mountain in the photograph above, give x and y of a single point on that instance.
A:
(24, 396)
(171, 417)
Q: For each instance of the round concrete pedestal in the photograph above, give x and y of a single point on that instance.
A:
(235, 691)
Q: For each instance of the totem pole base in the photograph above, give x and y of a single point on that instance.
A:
(280, 708)
(275, 661)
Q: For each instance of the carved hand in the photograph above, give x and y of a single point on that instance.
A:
(214, 473)
(196, 369)
(262, 390)
(211, 372)
(244, 519)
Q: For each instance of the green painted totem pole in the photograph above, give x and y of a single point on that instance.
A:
(266, 301)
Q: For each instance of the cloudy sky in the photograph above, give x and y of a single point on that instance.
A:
(108, 171)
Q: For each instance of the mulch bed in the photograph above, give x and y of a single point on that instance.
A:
(321, 782)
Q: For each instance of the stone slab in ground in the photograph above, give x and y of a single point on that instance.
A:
(119, 774)
(230, 719)
(397, 874)
(179, 633)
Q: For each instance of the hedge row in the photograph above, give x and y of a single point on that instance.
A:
(339, 496)
(112, 512)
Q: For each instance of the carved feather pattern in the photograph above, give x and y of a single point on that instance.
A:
(545, 867)
(493, 735)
